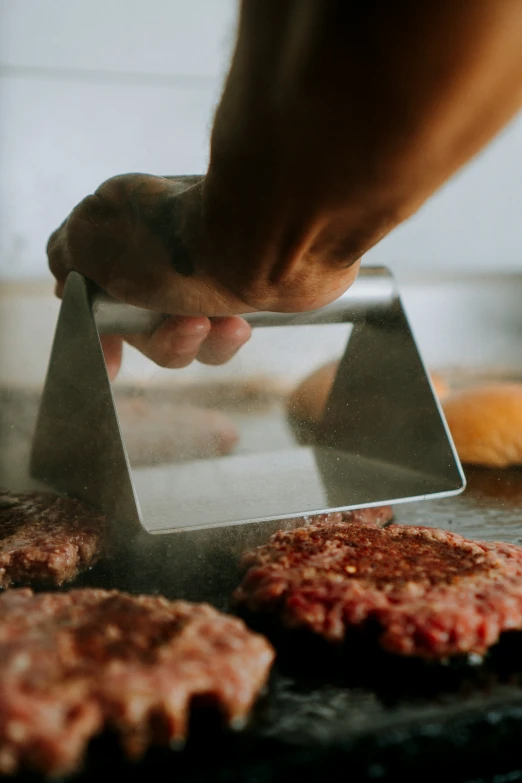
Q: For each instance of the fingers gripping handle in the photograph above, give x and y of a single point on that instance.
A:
(373, 292)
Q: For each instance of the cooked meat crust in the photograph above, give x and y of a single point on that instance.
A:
(46, 539)
(431, 593)
(74, 663)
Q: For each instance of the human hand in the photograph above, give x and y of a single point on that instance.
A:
(135, 238)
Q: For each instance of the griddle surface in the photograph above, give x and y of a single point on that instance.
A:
(375, 718)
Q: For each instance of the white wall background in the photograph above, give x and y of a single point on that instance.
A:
(92, 88)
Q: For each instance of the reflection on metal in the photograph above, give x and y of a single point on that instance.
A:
(383, 437)
(77, 446)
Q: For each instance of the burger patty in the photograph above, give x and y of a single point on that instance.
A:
(430, 593)
(46, 539)
(72, 664)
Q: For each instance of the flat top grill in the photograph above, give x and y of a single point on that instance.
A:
(387, 718)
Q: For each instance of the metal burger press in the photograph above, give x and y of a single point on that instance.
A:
(383, 438)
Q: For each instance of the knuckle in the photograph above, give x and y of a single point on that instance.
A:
(56, 266)
(90, 210)
(54, 241)
(123, 187)
(114, 188)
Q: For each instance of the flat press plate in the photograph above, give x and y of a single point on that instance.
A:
(382, 437)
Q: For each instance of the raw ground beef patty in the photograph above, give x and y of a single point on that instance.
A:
(46, 539)
(430, 593)
(74, 663)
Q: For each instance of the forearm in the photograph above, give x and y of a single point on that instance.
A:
(338, 123)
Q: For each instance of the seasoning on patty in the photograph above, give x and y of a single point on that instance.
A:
(431, 593)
